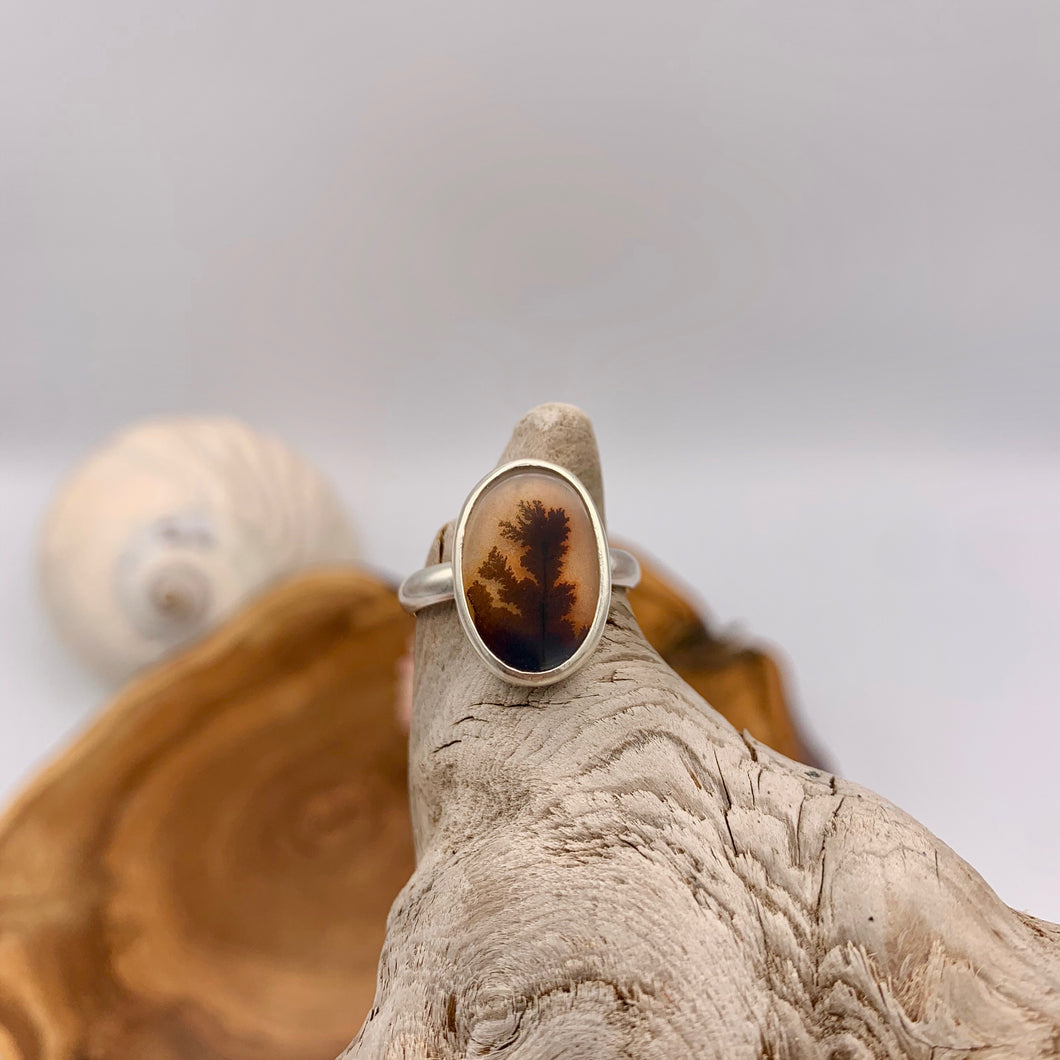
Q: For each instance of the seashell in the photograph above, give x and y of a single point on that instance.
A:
(171, 526)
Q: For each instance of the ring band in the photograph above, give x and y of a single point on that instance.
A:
(434, 584)
(531, 573)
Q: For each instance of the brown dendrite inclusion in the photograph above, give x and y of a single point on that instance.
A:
(534, 592)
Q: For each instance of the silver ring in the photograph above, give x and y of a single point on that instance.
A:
(534, 570)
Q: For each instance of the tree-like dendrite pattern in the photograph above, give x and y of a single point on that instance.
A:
(524, 620)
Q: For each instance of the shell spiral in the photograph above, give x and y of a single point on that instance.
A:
(170, 526)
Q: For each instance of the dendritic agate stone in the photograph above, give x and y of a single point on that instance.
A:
(530, 569)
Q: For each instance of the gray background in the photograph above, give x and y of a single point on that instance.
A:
(799, 261)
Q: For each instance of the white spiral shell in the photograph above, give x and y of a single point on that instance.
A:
(173, 524)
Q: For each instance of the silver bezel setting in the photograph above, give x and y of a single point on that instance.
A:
(603, 603)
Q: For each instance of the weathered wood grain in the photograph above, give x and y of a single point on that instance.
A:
(607, 868)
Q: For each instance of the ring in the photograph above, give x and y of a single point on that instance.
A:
(535, 573)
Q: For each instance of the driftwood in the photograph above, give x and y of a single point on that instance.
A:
(741, 680)
(206, 872)
(607, 868)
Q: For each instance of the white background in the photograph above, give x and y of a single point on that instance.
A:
(800, 262)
